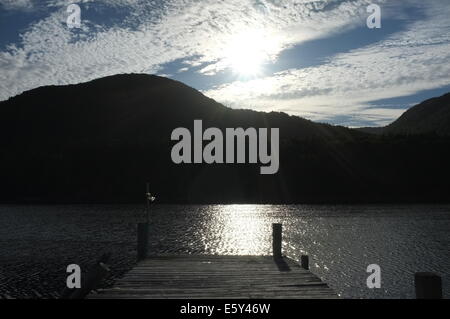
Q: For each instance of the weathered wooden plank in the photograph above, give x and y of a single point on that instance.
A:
(199, 277)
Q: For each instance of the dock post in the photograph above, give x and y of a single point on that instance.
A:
(142, 240)
(304, 261)
(277, 239)
(428, 285)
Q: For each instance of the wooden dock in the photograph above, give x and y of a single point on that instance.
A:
(217, 277)
(222, 277)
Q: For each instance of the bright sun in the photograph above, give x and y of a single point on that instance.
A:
(248, 51)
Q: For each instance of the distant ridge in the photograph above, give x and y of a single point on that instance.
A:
(429, 117)
(101, 141)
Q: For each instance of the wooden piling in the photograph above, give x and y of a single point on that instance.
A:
(304, 261)
(142, 241)
(277, 230)
(428, 285)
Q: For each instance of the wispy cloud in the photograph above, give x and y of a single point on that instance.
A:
(156, 33)
(16, 4)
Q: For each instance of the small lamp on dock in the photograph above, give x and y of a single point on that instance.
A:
(150, 199)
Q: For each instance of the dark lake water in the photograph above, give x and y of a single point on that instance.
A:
(37, 241)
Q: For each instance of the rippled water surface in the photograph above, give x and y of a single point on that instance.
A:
(340, 240)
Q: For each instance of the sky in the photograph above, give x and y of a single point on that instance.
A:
(313, 58)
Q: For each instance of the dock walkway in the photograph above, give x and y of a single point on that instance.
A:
(217, 277)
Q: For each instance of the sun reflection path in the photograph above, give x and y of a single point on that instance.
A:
(239, 230)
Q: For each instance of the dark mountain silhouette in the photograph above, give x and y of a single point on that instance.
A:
(429, 117)
(101, 141)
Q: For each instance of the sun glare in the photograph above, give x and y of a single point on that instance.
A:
(248, 51)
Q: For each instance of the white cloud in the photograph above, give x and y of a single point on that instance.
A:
(50, 53)
(16, 4)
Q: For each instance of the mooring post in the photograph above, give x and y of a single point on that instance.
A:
(142, 240)
(428, 285)
(143, 228)
(277, 230)
(304, 261)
